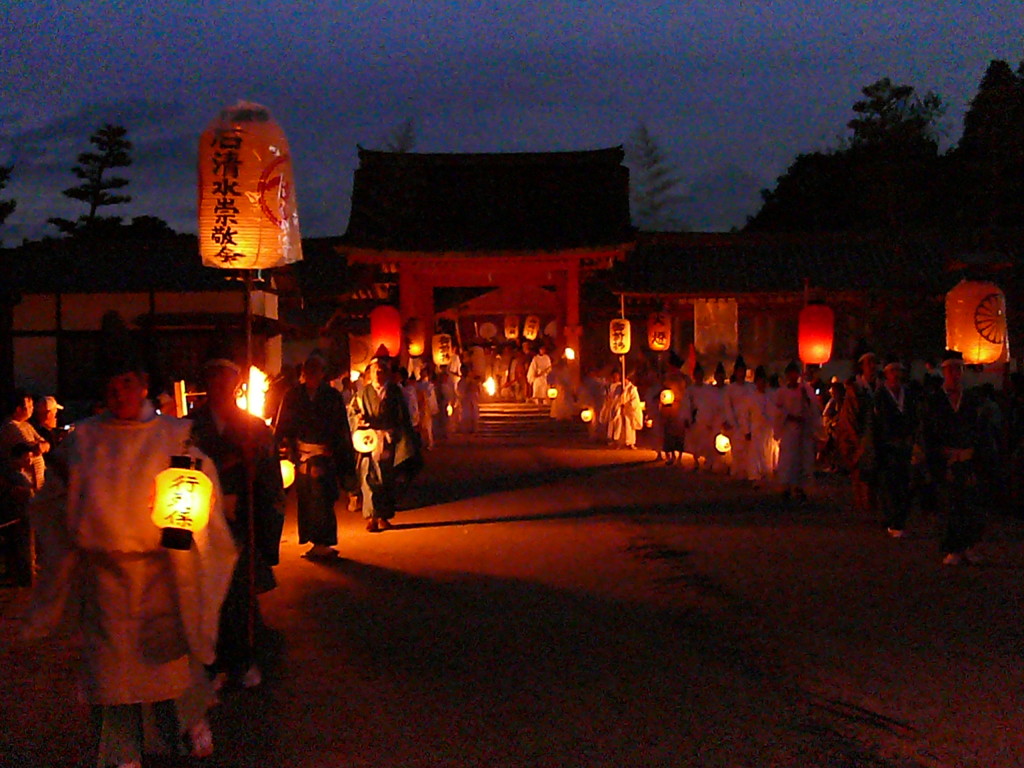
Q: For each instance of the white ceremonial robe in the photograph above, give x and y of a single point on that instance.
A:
(148, 616)
(708, 403)
(797, 422)
(537, 376)
(625, 416)
(737, 402)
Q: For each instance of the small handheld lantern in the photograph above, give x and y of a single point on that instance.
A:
(364, 440)
(287, 473)
(722, 444)
(552, 393)
(587, 415)
(181, 502)
(667, 397)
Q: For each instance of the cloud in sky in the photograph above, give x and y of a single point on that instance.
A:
(720, 84)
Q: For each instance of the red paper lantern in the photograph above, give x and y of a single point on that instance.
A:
(247, 211)
(659, 332)
(817, 326)
(386, 329)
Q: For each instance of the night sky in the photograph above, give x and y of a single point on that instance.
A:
(732, 90)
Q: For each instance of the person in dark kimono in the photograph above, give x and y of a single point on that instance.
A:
(382, 408)
(949, 435)
(894, 425)
(313, 431)
(242, 449)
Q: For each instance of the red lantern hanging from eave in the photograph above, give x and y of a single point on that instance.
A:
(659, 331)
(386, 329)
(248, 218)
(816, 331)
(531, 327)
(976, 322)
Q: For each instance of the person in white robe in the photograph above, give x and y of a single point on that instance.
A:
(147, 615)
(537, 375)
(707, 402)
(563, 407)
(797, 425)
(624, 412)
(737, 396)
(758, 420)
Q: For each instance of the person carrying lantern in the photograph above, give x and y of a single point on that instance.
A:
(148, 615)
(949, 435)
(382, 408)
(242, 449)
(313, 430)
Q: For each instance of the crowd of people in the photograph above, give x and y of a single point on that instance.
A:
(163, 629)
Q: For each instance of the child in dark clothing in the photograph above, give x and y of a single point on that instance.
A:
(15, 494)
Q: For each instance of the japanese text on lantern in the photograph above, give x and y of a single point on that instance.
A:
(184, 491)
(619, 336)
(226, 164)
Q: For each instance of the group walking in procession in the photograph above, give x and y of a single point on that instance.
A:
(165, 629)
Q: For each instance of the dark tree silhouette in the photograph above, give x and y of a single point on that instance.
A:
(97, 189)
(6, 206)
(885, 175)
(988, 162)
(654, 182)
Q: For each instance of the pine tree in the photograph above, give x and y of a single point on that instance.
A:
(654, 182)
(96, 189)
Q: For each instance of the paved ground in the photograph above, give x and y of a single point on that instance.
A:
(569, 606)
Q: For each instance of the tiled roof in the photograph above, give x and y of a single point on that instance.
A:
(713, 264)
(474, 202)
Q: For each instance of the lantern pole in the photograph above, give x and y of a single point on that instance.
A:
(250, 469)
(622, 358)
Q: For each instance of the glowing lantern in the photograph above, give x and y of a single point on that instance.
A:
(619, 337)
(442, 350)
(816, 328)
(181, 502)
(364, 440)
(488, 330)
(450, 409)
(659, 332)
(976, 322)
(490, 387)
(667, 397)
(648, 423)
(570, 354)
(386, 329)
(552, 393)
(287, 473)
(722, 444)
(531, 327)
(512, 327)
(252, 396)
(587, 415)
(247, 212)
(417, 337)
